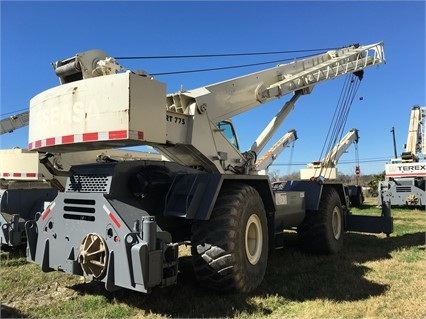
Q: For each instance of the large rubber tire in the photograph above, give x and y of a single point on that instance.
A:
(230, 250)
(358, 198)
(322, 231)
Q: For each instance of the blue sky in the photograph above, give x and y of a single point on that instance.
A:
(34, 34)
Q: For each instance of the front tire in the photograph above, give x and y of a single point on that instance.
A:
(322, 231)
(230, 250)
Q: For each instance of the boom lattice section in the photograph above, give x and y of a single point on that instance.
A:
(240, 94)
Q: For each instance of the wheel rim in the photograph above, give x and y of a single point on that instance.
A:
(253, 239)
(412, 199)
(336, 223)
(93, 255)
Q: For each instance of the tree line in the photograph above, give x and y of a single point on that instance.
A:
(369, 181)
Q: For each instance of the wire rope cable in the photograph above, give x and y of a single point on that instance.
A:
(340, 116)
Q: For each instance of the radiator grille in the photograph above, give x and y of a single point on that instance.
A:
(89, 183)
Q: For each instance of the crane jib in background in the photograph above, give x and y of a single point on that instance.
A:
(14, 122)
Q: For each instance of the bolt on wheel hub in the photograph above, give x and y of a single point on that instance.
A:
(93, 255)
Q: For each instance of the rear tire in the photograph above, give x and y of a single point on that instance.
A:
(230, 250)
(322, 231)
(358, 199)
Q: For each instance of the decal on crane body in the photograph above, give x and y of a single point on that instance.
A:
(15, 174)
(47, 211)
(111, 216)
(87, 137)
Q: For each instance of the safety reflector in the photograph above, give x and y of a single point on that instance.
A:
(112, 217)
(47, 211)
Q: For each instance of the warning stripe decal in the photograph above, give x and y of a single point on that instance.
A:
(87, 137)
(47, 211)
(19, 174)
(111, 216)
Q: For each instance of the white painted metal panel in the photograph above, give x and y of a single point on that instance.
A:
(108, 111)
(19, 164)
(417, 169)
(326, 172)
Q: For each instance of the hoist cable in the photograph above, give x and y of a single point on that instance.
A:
(290, 161)
(230, 66)
(353, 88)
(205, 70)
(215, 55)
(328, 138)
(13, 112)
(217, 68)
(340, 116)
(356, 164)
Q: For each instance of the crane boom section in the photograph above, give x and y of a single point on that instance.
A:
(14, 122)
(229, 98)
(103, 107)
(415, 135)
(327, 166)
(268, 158)
(334, 155)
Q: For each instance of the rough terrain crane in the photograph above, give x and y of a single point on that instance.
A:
(27, 187)
(263, 163)
(23, 193)
(122, 223)
(405, 177)
(29, 181)
(327, 167)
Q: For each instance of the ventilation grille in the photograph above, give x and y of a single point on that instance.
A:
(77, 209)
(403, 189)
(90, 183)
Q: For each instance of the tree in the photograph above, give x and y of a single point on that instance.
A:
(274, 175)
(373, 183)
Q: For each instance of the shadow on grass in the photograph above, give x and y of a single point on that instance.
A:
(13, 252)
(366, 206)
(12, 256)
(9, 312)
(342, 277)
(292, 275)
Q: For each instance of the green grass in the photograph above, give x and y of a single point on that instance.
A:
(373, 277)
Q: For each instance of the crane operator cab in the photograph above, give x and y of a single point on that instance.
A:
(228, 130)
